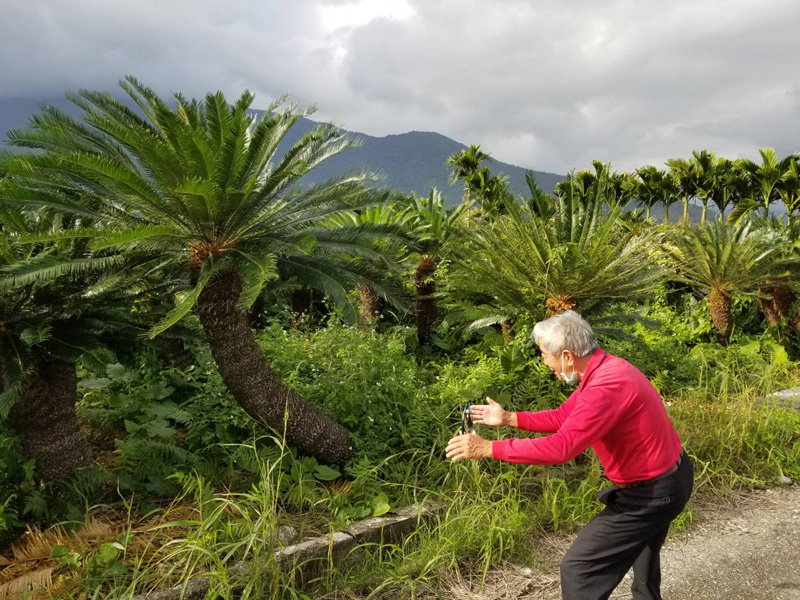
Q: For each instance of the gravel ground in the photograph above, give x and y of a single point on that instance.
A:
(749, 553)
(747, 549)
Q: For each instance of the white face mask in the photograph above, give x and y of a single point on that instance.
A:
(572, 378)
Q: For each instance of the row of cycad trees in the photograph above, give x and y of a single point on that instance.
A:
(190, 210)
(737, 188)
(580, 249)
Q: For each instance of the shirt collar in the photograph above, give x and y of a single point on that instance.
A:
(597, 355)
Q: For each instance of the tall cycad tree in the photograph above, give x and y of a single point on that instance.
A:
(789, 192)
(648, 190)
(670, 193)
(579, 259)
(199, 186)
(719, 260)
(764, 181)
(539, 201)
(431, 224)
(707, 178)
(684, 171)
(390, 247)
(730, 188)
(55, 307)
(464, 166)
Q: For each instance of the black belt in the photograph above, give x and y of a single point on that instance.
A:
(667, 473)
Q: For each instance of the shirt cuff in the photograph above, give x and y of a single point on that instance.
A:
(499, 449)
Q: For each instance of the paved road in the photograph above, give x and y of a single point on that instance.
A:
(749, 550)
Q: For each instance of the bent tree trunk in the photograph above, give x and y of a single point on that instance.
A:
(719, 306)
(778, 303)
(426, 310)
(44, 417)
(253, 382)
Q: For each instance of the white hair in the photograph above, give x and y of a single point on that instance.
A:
(565, 331)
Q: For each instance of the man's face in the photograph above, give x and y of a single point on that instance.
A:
(554, 362)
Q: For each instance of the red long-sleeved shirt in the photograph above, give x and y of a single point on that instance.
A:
(616, 411)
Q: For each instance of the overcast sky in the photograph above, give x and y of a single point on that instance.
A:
(548, 85)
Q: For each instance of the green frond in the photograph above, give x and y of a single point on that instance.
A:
(325, 276)
(187, 300)
(49, 268)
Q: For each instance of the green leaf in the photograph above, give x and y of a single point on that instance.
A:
(132, 427)
(35, 335)
(160, 428)
(59, 551)
(119, 373)
(779, 354)
(512, 359)
(380, 505)
(98, 383)
(325, 473)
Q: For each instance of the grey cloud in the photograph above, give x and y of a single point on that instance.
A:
(543, 84)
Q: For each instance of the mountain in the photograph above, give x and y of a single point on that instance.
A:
(411, 162)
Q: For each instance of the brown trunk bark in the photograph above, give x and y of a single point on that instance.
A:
(507, 327)
(253, 383)
(368, 307)
(308, 306)
(426, 309)
(258, 312)
(778, 304)
(719, 306)
(174, 353)
(44, 417)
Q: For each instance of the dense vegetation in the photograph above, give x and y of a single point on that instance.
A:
(199, 351)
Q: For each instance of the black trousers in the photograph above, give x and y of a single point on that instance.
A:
(629, 532)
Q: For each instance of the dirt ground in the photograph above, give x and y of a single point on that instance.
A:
(746, 549)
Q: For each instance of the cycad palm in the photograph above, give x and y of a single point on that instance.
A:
(197, 188)
(48, 322)
(432, 225)
(684, 172)
(764, 182)
(720, 260)
(579, 258)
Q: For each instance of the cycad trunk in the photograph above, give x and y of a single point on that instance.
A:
(507, 328)
(778, 304)
(253, 382)
(45, 419)
(369, 307)
(719, 306)
(686, 210)
(426, 309)
(558, 305)
(174, 353)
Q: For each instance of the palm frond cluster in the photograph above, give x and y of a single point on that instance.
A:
(143, 215)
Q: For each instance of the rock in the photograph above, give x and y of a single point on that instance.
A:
(316, 554)
(783, 480)
(195, 590)
(286, 535)
(789, 399)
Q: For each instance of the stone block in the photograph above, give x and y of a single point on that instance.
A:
(195, 590)
(313, 555)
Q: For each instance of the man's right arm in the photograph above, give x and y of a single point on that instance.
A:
(543, 421)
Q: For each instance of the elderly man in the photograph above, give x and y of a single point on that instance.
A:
(619, 414)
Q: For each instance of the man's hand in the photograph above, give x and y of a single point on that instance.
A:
(468, 445)
(492, 414)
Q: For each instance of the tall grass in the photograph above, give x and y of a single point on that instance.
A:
(492, 511)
